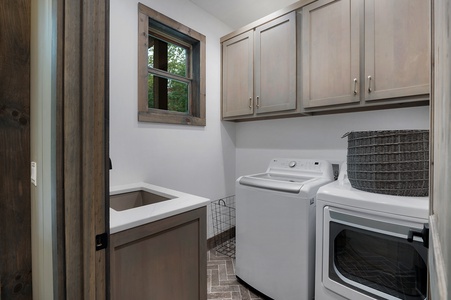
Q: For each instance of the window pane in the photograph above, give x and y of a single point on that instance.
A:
(177, 96)
(167, 56)
(167, 94)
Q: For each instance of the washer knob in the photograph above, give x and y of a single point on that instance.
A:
(292, 164)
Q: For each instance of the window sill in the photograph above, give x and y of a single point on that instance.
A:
(161, 116)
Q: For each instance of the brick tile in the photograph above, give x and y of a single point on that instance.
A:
(214, 277)
(226, 295)
(230, 268)
(225, 288)
(221, 280)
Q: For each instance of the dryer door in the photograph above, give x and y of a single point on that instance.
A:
(368, 256)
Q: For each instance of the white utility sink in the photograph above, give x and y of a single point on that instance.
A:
(139, 203)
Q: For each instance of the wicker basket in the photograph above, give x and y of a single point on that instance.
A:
(394, 162)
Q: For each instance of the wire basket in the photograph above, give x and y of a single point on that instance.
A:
(223, 215)
(393, 162)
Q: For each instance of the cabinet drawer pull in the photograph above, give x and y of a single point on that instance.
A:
(369, 84)
(355, 86)
(250, 102)
(258, 101)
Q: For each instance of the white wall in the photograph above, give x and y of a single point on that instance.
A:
(317, 137)
(196, 160)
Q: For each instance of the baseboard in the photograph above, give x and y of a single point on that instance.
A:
(220, 238)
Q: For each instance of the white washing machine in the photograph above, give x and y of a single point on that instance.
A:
(369, 246)
(275, 227)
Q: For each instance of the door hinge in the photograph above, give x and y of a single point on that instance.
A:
(101, 241)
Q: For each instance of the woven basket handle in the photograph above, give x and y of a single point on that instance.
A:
(346, 134)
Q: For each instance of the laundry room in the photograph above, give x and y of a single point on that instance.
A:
(206, 160)
(230, 124)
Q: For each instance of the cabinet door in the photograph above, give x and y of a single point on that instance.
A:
(397, 47)
(165, 259)
(237, 72)
(330, 52)
(275, 65)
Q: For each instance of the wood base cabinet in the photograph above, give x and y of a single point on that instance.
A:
(162, 260)
(259, 71)
(365, 52)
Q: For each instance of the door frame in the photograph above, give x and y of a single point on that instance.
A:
(440, 151)
(82, 151)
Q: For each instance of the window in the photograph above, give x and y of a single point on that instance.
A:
(171, 71)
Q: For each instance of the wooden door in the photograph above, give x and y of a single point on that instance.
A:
(440, 169)
(330, 52)
(237, 75)
(397, 48)
(82, 148)
(275, 65)
(15, 189)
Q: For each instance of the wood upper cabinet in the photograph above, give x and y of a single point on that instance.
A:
(331, 52)
(259, 70)
(391, 38)
(328, 55)
(275, 65)
(238, 75)
(397, 48)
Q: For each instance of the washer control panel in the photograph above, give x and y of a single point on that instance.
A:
(296, 164)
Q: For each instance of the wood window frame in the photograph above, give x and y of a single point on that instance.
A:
(196, 106)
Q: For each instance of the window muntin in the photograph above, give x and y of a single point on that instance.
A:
(168, 94)
(171, 71)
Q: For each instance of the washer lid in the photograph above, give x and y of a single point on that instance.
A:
(288, 184)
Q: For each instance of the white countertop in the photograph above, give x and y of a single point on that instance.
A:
(126, 219)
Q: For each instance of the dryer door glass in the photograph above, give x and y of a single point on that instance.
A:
(377, 263)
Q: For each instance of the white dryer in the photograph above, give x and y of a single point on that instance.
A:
(275, 227)
(370, 246)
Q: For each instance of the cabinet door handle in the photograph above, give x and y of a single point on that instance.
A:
(355, 86)
(250, 102)
(369, 84)
(258, 101)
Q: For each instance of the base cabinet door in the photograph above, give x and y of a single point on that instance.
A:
(162, 260)
(331, 52)
(397, 48)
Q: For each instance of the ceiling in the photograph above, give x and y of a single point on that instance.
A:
(237, 13)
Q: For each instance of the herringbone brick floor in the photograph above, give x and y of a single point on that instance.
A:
(221, 280)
